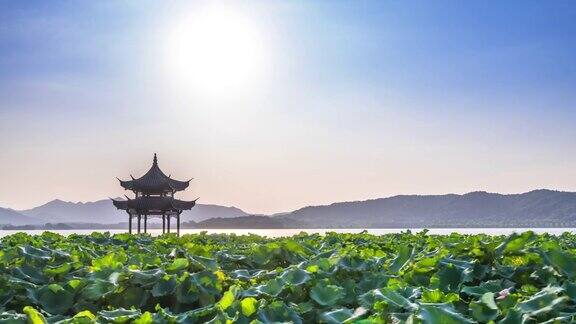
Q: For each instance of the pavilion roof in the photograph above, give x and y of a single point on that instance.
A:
(154, 181)
(145, 204)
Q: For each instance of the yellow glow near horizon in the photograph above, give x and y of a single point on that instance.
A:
(216, 50)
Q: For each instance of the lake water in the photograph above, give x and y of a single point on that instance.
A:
(290, 232)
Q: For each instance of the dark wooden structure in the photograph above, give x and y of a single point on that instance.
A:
(154, 197)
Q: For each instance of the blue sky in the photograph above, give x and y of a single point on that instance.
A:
(352, 100)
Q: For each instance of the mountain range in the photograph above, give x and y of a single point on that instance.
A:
(538, 208)
(9, 216)
(101, 211)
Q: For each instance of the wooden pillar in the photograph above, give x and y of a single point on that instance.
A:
(178, 224)
(139, 217)
(146, 223)
(168, 224)
(163, 224)
(129, 223)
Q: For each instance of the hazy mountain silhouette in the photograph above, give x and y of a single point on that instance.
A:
(12, 217)
(539, 208)
(102, 211)
(58, 211)
(536, 208)
(244, 222)
(202, 212)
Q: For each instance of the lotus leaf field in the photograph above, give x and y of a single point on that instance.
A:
(333, 278)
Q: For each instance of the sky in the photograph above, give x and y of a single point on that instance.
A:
(275, 105)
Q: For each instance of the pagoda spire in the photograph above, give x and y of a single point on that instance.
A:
(155, 161)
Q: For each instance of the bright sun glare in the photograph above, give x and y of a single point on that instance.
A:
(216, 50)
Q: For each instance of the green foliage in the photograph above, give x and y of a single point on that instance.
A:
(249, 306)
(332, 278)
(441, 314)
(326, 294)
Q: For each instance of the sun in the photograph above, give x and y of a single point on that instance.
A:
(216, 51)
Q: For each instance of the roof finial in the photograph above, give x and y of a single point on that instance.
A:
(155, 159)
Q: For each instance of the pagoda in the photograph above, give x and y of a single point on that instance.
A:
(154, 197)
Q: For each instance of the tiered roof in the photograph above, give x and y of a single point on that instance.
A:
(154, 182)
(154, 193)
(153, 205)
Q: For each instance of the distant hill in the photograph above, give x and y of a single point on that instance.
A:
(202, 212)
(59, 211)
(9, 216)
(102, 211)
(539, 208)
(543, 208)
(244, 222)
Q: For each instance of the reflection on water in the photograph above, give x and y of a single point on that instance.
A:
(290, 232)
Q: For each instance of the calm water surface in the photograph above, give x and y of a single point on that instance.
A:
(290, 232)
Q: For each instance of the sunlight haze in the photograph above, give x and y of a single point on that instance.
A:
(271, 106)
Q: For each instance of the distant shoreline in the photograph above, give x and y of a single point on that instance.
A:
(124, 226)
(535, 209)
(278, 233)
